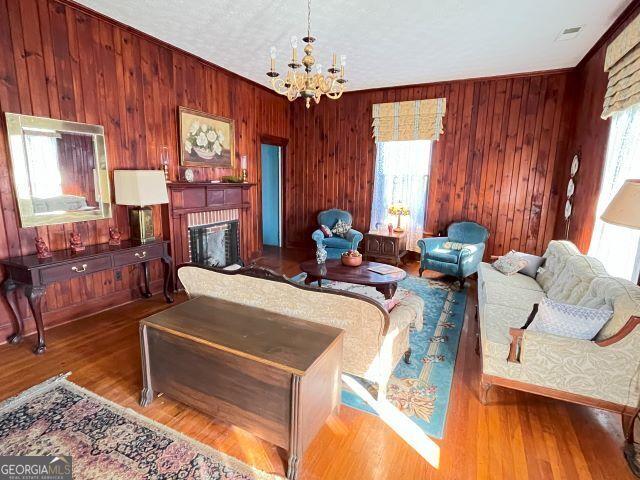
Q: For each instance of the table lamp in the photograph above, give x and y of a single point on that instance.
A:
(401, 211)
(139, 189)
(624, 209)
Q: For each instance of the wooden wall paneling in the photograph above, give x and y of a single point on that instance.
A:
(588, 135)
(59, 59)
(493, 164)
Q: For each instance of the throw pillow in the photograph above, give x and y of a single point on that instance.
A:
(570, 321)
(326, 231)
(453, 245)
(509, 264)
(534, 262)
(341, 228)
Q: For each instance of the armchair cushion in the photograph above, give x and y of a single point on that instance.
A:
(341, 228)
(445, 255)
(326, 231)
(337, 242)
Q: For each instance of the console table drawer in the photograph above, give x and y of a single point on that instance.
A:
(137, 255)
(82, 266)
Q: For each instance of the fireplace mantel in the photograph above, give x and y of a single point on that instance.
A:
(186, 199)
(205, 196)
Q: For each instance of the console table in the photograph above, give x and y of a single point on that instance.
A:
(32, 275)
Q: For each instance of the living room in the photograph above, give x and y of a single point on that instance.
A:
(319, 240)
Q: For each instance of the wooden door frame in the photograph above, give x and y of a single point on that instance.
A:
(281, 142)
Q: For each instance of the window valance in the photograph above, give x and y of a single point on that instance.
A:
(412, 120)
(622, 62)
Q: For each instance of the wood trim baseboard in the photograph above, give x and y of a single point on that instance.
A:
(558, 394)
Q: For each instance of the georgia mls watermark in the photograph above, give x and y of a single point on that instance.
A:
(36, 468)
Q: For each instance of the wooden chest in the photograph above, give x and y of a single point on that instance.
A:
(275, 376)
(384, 246)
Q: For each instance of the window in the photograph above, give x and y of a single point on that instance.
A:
(618, 248)
(402, 176)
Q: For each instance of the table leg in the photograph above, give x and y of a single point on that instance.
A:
(294, 438)
(146, 396)
(34, 295)
(310, 279)
(9, 290)
(388, 290)
(146, 293)
(167, 261)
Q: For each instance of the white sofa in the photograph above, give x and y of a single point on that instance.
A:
(602, 373)
(375, 340)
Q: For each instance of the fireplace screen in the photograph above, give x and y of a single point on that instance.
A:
(214, 245)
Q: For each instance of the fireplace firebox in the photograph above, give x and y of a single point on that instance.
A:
(215, 244)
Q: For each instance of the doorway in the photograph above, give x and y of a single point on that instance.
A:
(271, 159)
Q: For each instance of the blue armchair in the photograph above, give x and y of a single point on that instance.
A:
(335, 245)
(458, 263)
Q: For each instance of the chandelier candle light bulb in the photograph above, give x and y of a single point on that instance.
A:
(305, 83)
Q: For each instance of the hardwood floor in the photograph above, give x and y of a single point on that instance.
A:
(516, 436)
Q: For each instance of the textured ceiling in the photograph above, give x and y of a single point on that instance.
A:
(387, 43)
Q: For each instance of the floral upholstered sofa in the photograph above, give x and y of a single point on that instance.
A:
(602, 373)
(375, 340)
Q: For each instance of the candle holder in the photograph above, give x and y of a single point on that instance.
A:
(244, 175)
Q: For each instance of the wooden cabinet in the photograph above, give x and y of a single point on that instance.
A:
(385, 247)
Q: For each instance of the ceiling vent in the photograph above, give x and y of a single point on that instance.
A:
(569, 33)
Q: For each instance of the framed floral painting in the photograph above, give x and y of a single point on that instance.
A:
(205, 140)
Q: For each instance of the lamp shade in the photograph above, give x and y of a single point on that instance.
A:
(140, 187)
(624, 209)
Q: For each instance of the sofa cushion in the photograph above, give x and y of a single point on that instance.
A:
(556, 256)
(566, 320)
(444, 255)
(488, 274)
(572, 283)
(534, 262)
(509, 264)
(512, 297)
(337, 242)
(610, 293)
(494, 328)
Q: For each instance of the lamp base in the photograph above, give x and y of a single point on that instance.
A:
(141, 221)
(398, 230)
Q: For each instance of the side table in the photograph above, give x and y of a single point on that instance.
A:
(385, 246)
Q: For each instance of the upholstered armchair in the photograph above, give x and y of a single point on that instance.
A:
(336, 245)
(458, 263)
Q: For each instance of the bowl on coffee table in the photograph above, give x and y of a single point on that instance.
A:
(351, 258)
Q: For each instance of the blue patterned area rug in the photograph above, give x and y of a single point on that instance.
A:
(420, 390)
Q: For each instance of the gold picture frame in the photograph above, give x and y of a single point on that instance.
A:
(205, 140)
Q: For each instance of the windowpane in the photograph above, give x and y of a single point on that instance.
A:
(618, 247)
(402, 176)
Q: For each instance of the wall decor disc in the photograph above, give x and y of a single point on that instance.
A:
(571, 188)
(567, 209)
(575, 165)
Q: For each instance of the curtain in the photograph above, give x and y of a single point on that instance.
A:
(622, 62)
(619, 247)
(401, 176)
(412, 120)
(43, 169)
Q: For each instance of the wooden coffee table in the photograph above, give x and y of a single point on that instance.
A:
(361, 275)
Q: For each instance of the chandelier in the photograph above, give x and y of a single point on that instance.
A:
(305, 84)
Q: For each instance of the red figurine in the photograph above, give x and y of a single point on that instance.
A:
(114, 236)
(42, 249)
(75, 243)
(390, 227)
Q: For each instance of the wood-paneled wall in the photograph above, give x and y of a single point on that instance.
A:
(59, 60)
(589, 135)
(494, 164)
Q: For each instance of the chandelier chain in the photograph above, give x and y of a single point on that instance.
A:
(309, 18)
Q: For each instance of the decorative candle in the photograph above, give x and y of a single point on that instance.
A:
(243, 162)
(294, 48)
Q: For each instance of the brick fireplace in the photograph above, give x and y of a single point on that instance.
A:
(204, 221)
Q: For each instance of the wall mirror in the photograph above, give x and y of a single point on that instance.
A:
(60, 172)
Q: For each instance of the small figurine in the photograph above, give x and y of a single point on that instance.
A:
(75, 242)
(42, 249)
(390, 227)
(114, 236)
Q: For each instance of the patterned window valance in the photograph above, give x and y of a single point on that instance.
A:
(413, 120)
(623, 64)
